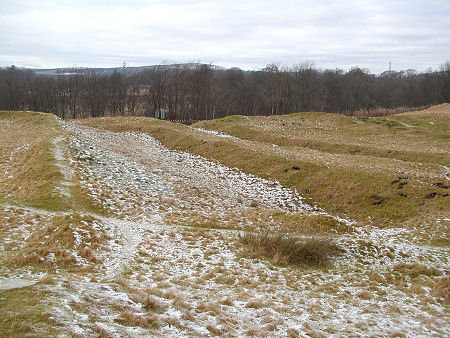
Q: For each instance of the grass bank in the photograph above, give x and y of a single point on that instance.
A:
(386, 171)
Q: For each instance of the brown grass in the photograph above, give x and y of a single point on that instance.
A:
(214, 330)
(25, 312)
(364, 153)
(414, 270)
(379, 111)
(255, 304)
(152, 304)
(285, 249)
(56, 238)
(441, 289)
(227, 301)
(299, 223)
(148, 321)
(32, 172)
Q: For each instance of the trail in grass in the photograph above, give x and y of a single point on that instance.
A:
(146, 180)
(65, 169)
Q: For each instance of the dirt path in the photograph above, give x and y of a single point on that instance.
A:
(171, 265)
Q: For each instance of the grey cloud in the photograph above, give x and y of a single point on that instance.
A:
(248, 34)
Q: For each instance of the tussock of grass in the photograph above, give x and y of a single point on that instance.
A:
(216, 331)
(152, 304)
(285, 249)
(255, 304)
(148, 321)
(55, 244)
(414, 270)
(441, 289)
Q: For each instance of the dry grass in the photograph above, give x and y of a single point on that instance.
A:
(25, 312)
(299, 223)
(255, 304)
(29, 171)
(28, 168)
(227, 301)
(414, 270)
(216, 331)
(441, 289)
(147, 321)
(345, 164)
(285, 249)
(379, 111)
(210, 292)
(54, 244)
(149, 303)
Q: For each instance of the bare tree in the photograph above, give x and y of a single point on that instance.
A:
(176, 89)
(75, 81)
(96, 93)
(306, 87)
(117, 91)
(157, 86)
(272, 89)
(13, 87)
(200, 91)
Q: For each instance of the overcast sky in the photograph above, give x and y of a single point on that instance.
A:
(245, 34)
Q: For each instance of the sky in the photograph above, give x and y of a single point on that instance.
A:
(246, 34)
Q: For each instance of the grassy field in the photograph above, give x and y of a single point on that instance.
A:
(387, 171)
(106, 231)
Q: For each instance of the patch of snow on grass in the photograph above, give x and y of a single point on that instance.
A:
(217, 133)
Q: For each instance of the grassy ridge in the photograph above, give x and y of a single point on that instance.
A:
(29, 172)
(386, 170)
(338, 134)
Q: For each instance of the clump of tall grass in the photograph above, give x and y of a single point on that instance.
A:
(441, 289)
(286, 249)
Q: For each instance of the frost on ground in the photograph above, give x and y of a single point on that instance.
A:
(216, 133)
(161, 258)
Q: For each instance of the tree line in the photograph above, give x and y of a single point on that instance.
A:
(201, 91)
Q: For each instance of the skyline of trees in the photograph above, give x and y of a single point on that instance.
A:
(201, 91)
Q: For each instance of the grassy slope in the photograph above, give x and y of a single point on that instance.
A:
(30, 177)
(29, 174)
(347, 166)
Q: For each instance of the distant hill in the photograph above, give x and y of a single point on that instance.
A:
(109, 71)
